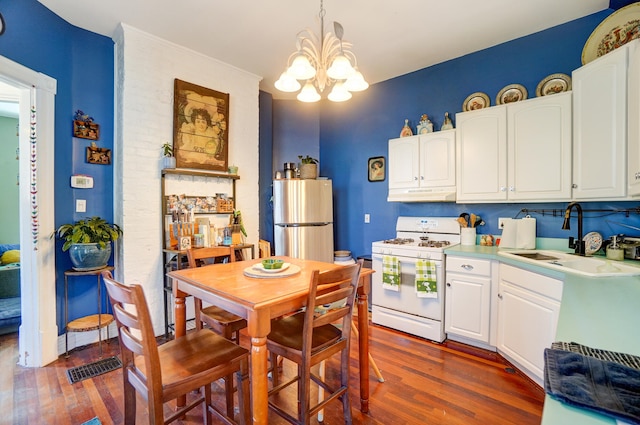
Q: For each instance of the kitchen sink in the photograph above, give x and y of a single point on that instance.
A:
(535, 256)
(571, 263)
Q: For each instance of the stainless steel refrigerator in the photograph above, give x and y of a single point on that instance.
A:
(303, 218)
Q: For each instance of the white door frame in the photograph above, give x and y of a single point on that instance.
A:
(38, 333)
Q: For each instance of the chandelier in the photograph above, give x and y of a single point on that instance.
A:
(321, 62)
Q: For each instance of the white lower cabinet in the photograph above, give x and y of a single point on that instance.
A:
(528, 308)
(469, 302)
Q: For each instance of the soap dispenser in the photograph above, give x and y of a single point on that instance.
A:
(614, 251)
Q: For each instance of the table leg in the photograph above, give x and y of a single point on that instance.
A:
(259, 380)
(363, 344)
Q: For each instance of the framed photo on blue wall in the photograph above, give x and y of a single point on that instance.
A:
(377, 169)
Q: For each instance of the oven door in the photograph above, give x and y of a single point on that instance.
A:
(405, 300)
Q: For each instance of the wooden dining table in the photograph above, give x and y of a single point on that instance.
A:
(260, 299)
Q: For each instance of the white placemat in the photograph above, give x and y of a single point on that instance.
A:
(254, 272)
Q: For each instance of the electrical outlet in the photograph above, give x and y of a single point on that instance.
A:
(367, 218)
(501, 221)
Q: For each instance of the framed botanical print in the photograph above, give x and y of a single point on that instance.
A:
(377, 169)
(200, 127)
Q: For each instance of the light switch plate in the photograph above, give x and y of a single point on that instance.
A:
(81, 205)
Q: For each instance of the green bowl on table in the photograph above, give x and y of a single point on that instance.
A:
(272, 264)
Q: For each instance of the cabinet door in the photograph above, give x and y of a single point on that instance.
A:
(481, 151)
(539, 140)
(633, 119)
(528, 309)
(404, 162)
(599, 127)
(438, 159)
(467, 311)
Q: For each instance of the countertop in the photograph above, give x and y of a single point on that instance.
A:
(597, 312)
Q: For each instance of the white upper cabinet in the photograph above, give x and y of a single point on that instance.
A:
(482, 155)
(539, 150)
(600, 127)
(633, 121)
(516, 152)
(422, 168)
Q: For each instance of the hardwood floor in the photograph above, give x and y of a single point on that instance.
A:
(425, 383)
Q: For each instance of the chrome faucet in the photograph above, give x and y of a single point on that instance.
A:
(579, 245)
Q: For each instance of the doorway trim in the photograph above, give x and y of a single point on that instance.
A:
(38, 333)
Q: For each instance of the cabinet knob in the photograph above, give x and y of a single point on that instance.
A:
(500, 296)
(512, 189)
(448, 284)
(421, 177)
(503, 189)
(415, 178)
(574, 186)
(467, 266)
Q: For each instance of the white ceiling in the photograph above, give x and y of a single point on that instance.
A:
(389, 38)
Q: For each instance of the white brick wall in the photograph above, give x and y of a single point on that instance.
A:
(146, 67)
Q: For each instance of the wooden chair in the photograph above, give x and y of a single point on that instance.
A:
(163, 373)
(310, 337)
(219, 320)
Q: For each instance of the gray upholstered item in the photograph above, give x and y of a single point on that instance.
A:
(10, 313)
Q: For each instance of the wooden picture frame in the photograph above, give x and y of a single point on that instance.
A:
(96, 155)
(200, 127)
(377, 169)
(86, 130)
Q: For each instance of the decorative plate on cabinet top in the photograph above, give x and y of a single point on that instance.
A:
(477, 100)
(511, 93)
(616, 30)
(592, 242)
(552, 84)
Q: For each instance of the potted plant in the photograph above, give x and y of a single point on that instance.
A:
(308, 167)
(168, 160)
(88, 242)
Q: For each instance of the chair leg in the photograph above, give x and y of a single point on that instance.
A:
(244, 399)
(321, 373)
(129, 402)
(275, 378)
(197, 303)
(228, 391)
(207, 417)
(344, 380)
(304, 394)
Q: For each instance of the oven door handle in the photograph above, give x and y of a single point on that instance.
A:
(404, 259)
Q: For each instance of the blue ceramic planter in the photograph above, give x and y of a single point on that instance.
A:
(89, 256)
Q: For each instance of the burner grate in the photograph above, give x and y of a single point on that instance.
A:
(91, 370)
(398, 241)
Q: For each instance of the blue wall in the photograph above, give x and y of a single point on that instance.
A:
(356, 130)
(82, 63)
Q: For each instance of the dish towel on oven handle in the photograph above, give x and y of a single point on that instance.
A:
(426, 281)
(390, 273)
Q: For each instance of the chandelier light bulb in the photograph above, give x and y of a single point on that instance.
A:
(341, 68)
(301, 68)
(356, 82)
(308, 94)
(339, 93)
(287, 83)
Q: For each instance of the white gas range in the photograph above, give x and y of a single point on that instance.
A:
(416, 238)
